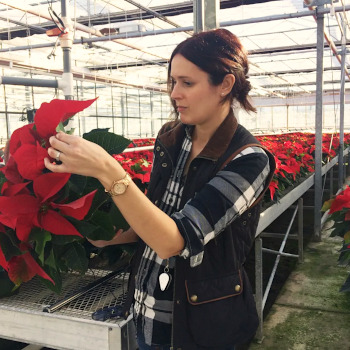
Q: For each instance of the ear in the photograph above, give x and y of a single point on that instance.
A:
(227, 84)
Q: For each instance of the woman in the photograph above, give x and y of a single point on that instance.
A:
(197, 223)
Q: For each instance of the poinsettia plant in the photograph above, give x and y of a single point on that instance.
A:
(339, 214)
(294, 156)
(45, 216)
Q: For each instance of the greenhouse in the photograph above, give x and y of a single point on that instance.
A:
(95, 98)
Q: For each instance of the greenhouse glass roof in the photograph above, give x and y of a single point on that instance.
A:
(280, 37)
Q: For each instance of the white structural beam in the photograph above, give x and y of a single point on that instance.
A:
(77, 26)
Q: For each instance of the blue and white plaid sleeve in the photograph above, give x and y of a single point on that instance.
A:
(221, 201)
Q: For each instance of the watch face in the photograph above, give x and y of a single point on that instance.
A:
(119, 188)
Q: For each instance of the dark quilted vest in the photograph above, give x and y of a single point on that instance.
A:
(213, 302)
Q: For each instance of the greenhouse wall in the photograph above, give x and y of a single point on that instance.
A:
(134, 112)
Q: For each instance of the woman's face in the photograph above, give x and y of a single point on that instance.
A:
(197, 100)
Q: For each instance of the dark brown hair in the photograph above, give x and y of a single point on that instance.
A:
(217, 52)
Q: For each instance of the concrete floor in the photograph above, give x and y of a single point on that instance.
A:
(310, 312)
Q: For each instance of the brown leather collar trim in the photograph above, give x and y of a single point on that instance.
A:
(221, 139)
(215, 147)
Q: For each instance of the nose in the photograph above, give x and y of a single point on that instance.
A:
(175, 93)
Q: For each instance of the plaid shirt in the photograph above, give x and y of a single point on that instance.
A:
(153, 307)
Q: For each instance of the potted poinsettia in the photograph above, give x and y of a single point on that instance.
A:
(44, 216)
(339, 214)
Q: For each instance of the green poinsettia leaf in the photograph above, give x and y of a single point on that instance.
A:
(327, 205)
(7, 287)
(51, 261)
(60, 127)
(41, 237)
(77, 184)
(346, 286)
(75, 257)
(84, 227)
(117, 218)
(339, 229)
(347, 238)
(8, 247)
(64, 239)
(101, 201)
(344, 257)
(51, 268)
(2, 179)
(337, 216)
(112, 253)
(112, 143)
(104, 223)
(71, 131)
(57, 278)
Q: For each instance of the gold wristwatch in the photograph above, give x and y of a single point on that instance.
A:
(119, 186)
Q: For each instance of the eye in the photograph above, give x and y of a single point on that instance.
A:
(188, 83)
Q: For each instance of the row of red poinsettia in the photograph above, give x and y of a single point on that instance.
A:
(293, 154)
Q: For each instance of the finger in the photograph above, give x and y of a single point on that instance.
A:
(59, 144)
(56, 168)
(55, 153)
(119, 232)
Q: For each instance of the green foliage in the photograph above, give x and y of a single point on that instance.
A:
(7, 288)
(8, 245)
(76, 258)
(112, 143)
(40, 237)
(2, 180)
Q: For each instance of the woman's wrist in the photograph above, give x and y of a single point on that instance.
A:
(110, 172)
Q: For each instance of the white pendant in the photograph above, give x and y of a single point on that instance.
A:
(164, 281)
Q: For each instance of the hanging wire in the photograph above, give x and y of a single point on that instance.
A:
(52, 13)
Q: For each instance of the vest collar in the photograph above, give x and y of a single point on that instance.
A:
(217, 144)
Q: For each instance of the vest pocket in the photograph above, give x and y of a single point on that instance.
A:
(220, 311)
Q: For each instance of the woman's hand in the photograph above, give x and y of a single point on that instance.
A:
(80, 156)
(121, 237)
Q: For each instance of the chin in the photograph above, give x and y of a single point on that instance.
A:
(184, 119)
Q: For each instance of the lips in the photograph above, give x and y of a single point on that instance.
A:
(180, 108)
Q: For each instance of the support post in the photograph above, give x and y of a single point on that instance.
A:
(331, 179)
(341, 174)
(259, 292)
(66, 42)
(205, 15)
(300, 230)
(318, 126)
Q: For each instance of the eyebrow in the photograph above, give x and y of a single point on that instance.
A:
(181, 77)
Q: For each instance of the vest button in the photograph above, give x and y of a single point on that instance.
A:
(164, 165)
(161, 154)
(194, 298)
(158, 148)
(249, 215)
(237, 288)
(244, 223)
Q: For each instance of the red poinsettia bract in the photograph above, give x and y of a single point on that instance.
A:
(28, 144)
(22, 268)
(27, 211)
(342, 200)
